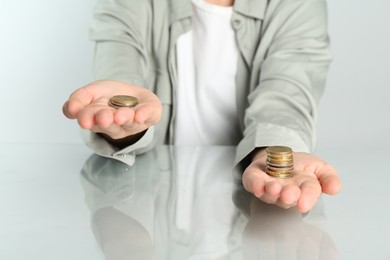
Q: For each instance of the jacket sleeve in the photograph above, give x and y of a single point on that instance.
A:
(283, 106)
(119, 29)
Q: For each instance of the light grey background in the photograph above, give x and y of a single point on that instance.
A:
(45, 54)
(355, 108)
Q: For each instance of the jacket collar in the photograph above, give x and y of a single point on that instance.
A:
(252, 8)
(181, 9)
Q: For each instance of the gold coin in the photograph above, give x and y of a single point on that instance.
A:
(280, 170)
(280, 161)
(283, 175)
(280, 164)
(123, 101)
(274, 158)
(279, 150)
(280, 156)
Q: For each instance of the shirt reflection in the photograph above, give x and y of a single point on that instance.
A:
(176, 203)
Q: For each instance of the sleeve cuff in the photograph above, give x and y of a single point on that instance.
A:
(126, 155)
(263, 135)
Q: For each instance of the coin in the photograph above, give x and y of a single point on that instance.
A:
(280, 169)
(279, 164)
(275, 155)
(279, 150)
(280, 161)
(123, 101)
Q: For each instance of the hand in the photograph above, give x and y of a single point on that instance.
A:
(89, 105)
(311, 177)
(274, 233)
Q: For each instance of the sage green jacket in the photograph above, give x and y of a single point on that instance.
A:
(283, 61)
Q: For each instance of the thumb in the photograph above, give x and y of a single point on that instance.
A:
(77, 100)
(66, 112)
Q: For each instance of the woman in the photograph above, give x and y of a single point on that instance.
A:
(245, 73)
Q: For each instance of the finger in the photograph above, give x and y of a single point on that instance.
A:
(104, 118)
(272, 192)
(328, 177)
(290, 195)
(310, 192)
(124, 116)
(82, 97)
(273, 188)
(331, 185)
(146, 115)
(253, 183)
(66, 112)
(76, 102)
(71, 109)
(86, 118)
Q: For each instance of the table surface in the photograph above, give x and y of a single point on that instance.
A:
(63, 202)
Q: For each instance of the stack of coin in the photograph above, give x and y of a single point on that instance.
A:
(123, 101)
(280, 161)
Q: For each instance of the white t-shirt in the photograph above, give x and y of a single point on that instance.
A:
(207, 64)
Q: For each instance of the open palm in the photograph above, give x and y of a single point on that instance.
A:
(89, 105)
(311, 177)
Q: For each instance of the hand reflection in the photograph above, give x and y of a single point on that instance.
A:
(121, 236)
(276, 233)
(119, 203)
(173, 203)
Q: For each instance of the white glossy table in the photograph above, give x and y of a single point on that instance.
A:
(59, 202)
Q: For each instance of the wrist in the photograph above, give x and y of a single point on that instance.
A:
(258, 153)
